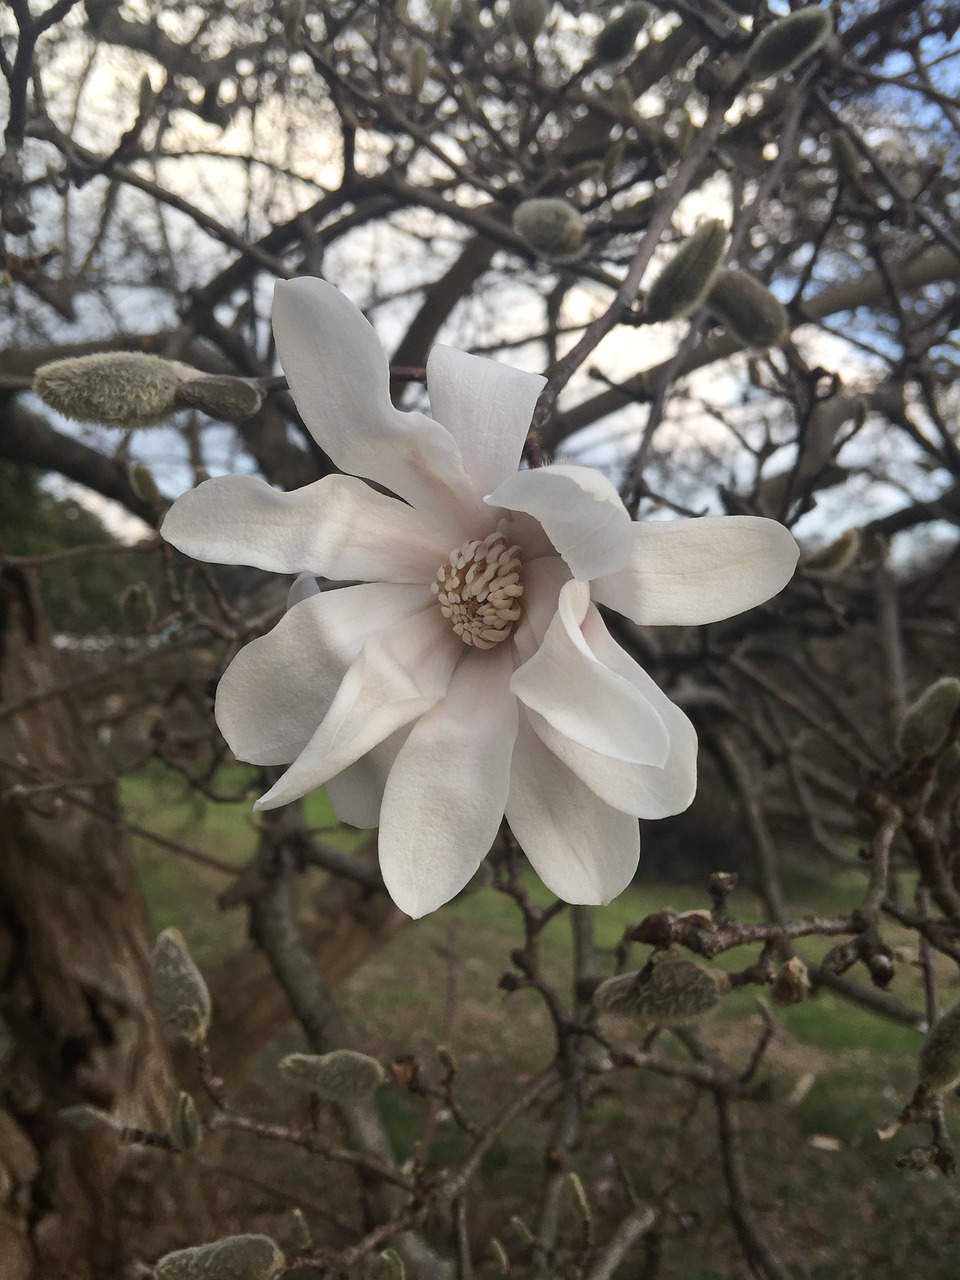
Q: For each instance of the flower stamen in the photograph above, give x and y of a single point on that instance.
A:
(479, 590)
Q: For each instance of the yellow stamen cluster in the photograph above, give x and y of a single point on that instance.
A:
(479, 590)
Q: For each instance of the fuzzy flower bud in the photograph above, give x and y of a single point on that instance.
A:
(341, 1076)
(144, 485)
(82, 1117)
(246, 1257)
(674, 993)
(139, 609)
(114, 388)
(924, 727)
(183, 1000)
(552, 228)
(836, 556)
(385, 1266)
(788, 41)
(221, 396)
(939, 1066)
(791, 984)
(747, 309)
(619, 36)
(685, 280)
(186, 1129)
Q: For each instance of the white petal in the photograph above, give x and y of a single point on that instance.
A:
(339, 377)
(337, 527)
(641, 790)
(580, 511)
(357, 792)
(400, 673)
(580, 847)
(542, 580)
(582, 698)
(277, 690)
(687, 572)
(446, 793)
(303, 587)
(486, 406)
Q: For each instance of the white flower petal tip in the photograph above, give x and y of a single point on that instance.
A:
(690, 572)
(580, 511)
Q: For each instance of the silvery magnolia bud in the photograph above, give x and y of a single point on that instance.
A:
(685, 280)
(527, 18)
(837, 556)
(139, 609)
(619, 37)
(939, 1066)
(232, 1258)
(791, 983)
(674, 993)
(341, 1076)
(144, 485)
(82, 1117)
(183, 1000)
(948, 773)
(186, 1129)
(924, 727)
(113, 388)
(385, 1266)
(221, 396)
(552, 228)
(788, 41)
(301, 1237)
(747, 309)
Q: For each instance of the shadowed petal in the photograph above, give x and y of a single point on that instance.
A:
(583, 698)
(580, 511)
(447, 790)
(357, 792)
(486, 406)
(580, 847)
(400, 673)
(278, 688)
(687, 572)
(337, 527)
(339, 378)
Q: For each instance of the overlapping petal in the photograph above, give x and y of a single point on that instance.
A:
(356, 792)
(687, 572)
(584, 699)
(400, 673)
(580, 847)
(337, 527)
(339, 377)
(486, 406)
(448, 787)
(580, 511)
(280, 686)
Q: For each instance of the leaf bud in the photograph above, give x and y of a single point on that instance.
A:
(501, 1258)
(300, 1235)
(580, 1197)
(183, 1000)
(527, 18)
(939, 1066)
(221, 396)
(522, 1230)
(83, 1117)
(686, 278)
(925, 725)
(551, 227)
(836, 556)
(619, 37)
(385, 1266)
(186, 1129)
(144, 485)
(751, 313)
(248, 1257)
(113, 388)
(139, 609)
(788, 41)
(341, 1076)
(672, 992)
(791, 984)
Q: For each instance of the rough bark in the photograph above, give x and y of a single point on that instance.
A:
(75, 996)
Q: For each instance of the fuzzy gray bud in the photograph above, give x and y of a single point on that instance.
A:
(836, 556)
(385, 1266)
(939, 1066)
(341, 1076)
(144, 485)
(248, 1257)
(552, 228)
(674, 993)
(791, 984)
(139, 609)
(751, 313)
(183, 1000)
(924, 727)
(788, 41)
(186, 1129)
(221, 396)
(115, 388)
(686, 278)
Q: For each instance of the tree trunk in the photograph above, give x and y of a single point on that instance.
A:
(75, 994)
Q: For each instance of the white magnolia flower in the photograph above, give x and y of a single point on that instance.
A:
(469, 674)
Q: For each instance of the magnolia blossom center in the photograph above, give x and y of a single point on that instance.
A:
(479, 590)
